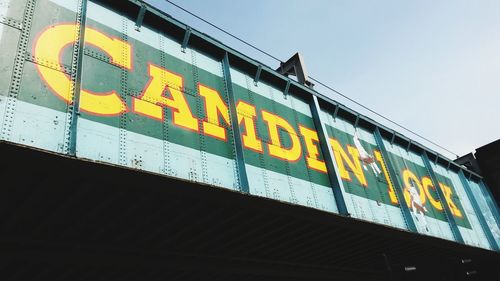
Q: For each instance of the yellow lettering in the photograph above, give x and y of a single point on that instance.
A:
(353, 164)
(392, 193)
(311, 139)
(50, 45)
(274, 123)
(246, 115)
(427, 183)
(447, 196)
(214, 107)
(152, 99)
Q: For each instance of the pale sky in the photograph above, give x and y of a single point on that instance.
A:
(430, 65)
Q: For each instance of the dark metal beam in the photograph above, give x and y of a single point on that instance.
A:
(257, 74)
(140, 17)
(287, 88)
(185, 40)
(336, 111)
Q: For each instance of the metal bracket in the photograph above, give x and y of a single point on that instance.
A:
(257, 75)
(393, 137)
(49, 64)
(336, 112)
(185, 41)
(140, 17)
(287, 88)
(99, 56)
(295, 66)
(11, 22)
(409, 145)
(357, 121)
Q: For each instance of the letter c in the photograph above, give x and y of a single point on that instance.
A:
(50, 45)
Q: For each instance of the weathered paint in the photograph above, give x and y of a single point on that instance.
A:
(147, 103)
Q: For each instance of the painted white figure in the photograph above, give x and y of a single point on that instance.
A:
(417, 207)
(365, 157)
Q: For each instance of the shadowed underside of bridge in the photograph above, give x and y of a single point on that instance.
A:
(66, 219)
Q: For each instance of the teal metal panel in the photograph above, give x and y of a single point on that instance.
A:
(477, 210)
(18, 52)
(489, 208)
(449, 215)
(326, 148)
(418, 191)
(12, 11)
(278, 177)
(398, 185)
(9, 39)
(491, 202)
(25, 121)
(366, 186)
(460, 202)
(238, 144)
(136, 141)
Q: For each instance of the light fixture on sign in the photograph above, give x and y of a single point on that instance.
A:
(410, 268)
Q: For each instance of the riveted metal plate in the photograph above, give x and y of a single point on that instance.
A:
(13, 10)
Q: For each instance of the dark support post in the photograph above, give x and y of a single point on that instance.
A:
(477, 211)
(140, 17)
(356, 122)
(442, 198)
(287, 87)
(257, 75)
(397, 184)
(185, 41)
(326, 148)
(238, 143)
(336, 112)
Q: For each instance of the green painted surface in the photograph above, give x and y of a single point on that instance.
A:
(377, 188)
(401, 164)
